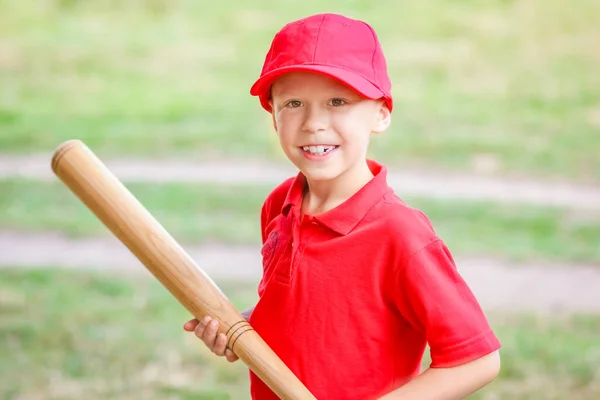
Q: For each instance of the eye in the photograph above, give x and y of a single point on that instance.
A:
(337, 102)
(293, 104)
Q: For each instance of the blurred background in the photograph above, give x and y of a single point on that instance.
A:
(495, 135)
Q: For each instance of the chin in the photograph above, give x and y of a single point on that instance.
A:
(320, 174)
(318, 171)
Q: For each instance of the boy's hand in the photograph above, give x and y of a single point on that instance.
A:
(206, 330)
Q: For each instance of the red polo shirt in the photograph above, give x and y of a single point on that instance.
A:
(350, 298)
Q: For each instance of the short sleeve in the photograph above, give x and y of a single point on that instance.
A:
(264, 220)
(271, 208)
(435, 299)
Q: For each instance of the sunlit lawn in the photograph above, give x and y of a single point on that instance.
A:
(512, 85)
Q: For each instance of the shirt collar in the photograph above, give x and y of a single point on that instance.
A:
(343, 218)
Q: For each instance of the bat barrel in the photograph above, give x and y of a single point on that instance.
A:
(114, 205)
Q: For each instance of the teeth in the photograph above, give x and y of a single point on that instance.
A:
(318, 150)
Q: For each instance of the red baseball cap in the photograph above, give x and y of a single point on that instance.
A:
(333, 45)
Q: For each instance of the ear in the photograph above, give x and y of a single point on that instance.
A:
(383, 118)
(273, 116)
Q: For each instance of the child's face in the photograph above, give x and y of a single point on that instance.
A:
(323, 126)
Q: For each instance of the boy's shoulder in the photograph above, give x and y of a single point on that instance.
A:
(275, 199)
(407, 228)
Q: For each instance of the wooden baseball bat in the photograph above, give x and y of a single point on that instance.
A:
(101, 191)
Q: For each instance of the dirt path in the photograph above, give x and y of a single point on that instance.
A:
(539, 288)
(542, 288)
(405, 182)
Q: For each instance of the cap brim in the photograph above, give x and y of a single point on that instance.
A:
(361, 85)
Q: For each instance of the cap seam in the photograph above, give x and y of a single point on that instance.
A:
(317, 37)
(375, 47)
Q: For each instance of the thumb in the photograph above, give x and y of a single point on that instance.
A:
(230, 356)
(191, 325)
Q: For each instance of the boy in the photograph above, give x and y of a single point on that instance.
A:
(355, 282)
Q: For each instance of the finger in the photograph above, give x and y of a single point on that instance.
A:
(201, 325)
(220, 344)
(190, 326)
(230, 355)
(210, 334)
(200, 328)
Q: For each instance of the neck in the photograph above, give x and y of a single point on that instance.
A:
(323, 196)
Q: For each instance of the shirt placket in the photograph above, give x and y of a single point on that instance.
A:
(292, 253)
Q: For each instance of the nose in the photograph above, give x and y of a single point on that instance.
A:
(316, 120)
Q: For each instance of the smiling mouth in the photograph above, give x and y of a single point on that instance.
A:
(319, 150)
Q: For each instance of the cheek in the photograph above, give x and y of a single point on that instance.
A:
(286, 127)
(353, 131)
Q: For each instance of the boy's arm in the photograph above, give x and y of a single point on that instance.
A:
(435, 300)
(453, 383)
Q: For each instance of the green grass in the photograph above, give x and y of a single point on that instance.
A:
(511, 81)
(68, 335)
(231, 214)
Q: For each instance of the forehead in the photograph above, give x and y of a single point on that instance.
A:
(308, 82)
